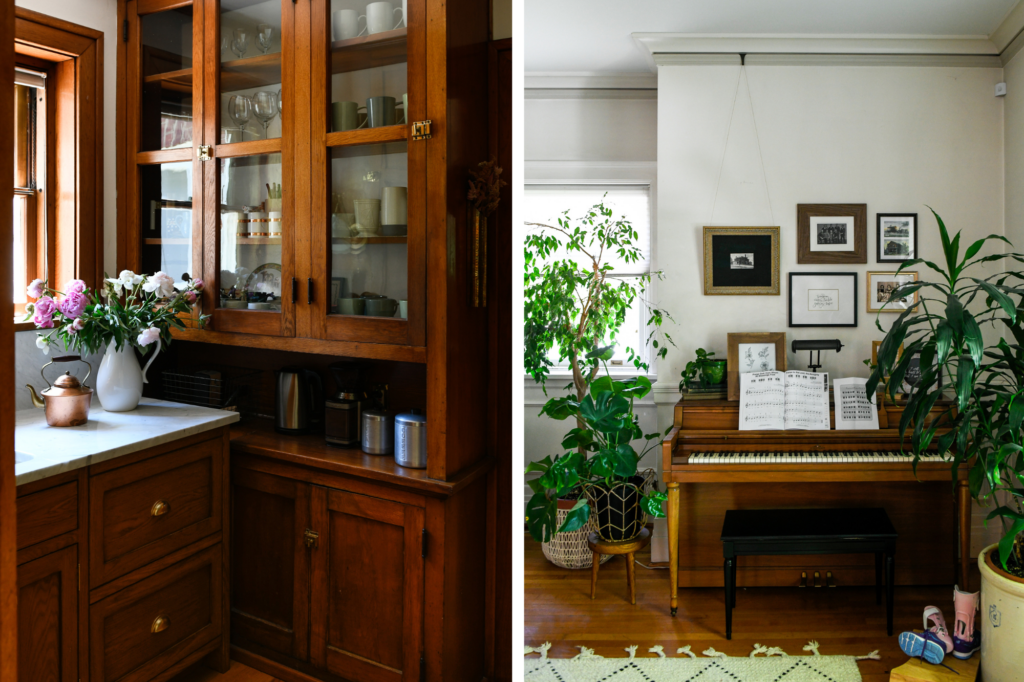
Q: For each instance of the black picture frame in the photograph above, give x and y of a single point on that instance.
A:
(880, 239)
(853, 303)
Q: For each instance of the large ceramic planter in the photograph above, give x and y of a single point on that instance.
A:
(1002, 622)
(570, 550)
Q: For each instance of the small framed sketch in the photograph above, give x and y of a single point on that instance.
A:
(831, 233)
(897, 237)
(823, 299)
(753, 352)
(741, 261)
(880, 288)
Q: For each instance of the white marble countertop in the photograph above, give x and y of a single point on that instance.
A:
(42, 451)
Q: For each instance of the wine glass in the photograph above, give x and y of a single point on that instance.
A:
(264, 104)
(240, 111)
(279, 103)
(241, 42)
(264, 32)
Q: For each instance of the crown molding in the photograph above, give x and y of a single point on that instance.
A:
(1009, 28)
(948, 60)
(588, 93)
(590, 80)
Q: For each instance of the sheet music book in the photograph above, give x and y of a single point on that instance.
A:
(784, 400)
(853, 409)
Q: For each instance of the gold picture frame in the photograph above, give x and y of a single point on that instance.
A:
(751, 277)
(733, 364)
(872, 299)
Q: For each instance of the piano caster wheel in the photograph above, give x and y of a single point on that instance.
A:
(674, 611)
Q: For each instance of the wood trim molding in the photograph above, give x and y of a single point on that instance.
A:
(555, 80)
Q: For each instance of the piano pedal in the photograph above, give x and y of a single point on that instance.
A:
(817, 578)
(829, 580)
(803, 579)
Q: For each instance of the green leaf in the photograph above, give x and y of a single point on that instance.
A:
(943, 340)
(944, 236)
(972, 336)
(577, 516)
(651, 503)
(1006, 542)
(541, 517)
(1016, 412)
(604, 353)
(964, 382)
(955, 314)
(999, 297)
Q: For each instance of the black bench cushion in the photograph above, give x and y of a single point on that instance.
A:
(806, 524)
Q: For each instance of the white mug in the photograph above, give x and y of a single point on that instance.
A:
(380, 17)
(345, 24)
(367, 214)
(403, 310)
(394, 206)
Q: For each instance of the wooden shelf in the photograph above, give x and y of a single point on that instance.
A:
(173, 241)
(237, 74)
(369, 52)
(256, 241)
(404, 239)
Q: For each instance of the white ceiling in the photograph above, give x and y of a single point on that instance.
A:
(594, 35)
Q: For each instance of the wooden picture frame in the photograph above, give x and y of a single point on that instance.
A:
(734, 261)
(848, 216)
(871, 299)
(733, 364)
(884, 223)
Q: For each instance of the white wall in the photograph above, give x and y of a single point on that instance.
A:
(1013, 118)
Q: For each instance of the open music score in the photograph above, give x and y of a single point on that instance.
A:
(784, 400)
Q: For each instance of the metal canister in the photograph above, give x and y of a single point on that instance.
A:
(378, 433)
(411, 441)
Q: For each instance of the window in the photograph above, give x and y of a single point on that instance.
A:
(544, 203)
(29, 178)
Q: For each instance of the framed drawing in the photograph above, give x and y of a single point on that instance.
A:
(896, 238)
(753, 352)
(880, 288)
(823, 299)
(831, 233)
(741, 261)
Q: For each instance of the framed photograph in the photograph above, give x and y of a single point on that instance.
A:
(831, 233)
(753, 352)
(912, 379)
(823, 299)
(741, 261)
(874, 352)
(897, 237)
(880, 288)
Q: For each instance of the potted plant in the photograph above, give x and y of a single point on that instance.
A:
(574, 304)
(985, 419)
(705, 371)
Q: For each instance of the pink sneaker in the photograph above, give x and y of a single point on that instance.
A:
(933, 614)
(966, 637)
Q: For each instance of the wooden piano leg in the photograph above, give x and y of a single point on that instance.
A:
(963, 504)
(673, 544)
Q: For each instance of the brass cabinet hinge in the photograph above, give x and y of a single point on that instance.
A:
(424, 548)
(312, 538)
(205, 152)
(421, 130)
(124, 31)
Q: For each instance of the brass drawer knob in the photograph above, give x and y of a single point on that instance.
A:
(160, 624)
(159, 508)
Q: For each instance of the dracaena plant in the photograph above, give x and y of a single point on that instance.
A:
(599, 451)
(983, 423)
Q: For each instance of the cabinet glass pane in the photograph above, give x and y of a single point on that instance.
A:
(250, 70)
(166, 215)
(369, 228)
(368, 64)
(251, 229)
(166, 80)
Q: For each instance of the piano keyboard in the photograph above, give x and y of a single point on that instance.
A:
(815, 457)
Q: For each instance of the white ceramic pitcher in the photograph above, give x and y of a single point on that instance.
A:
(119, 380)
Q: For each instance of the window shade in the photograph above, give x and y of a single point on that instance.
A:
(546, 203)
(29, 79)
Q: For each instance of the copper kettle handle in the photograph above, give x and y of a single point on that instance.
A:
(66, 358)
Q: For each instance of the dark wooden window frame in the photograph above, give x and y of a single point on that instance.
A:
(72, 57)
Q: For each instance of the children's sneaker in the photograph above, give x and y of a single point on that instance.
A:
(933, 614)
(923, 645)
(966, 638)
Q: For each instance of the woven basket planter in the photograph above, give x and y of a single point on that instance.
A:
(617, 510)
(570, 550)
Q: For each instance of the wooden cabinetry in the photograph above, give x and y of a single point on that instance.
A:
(121, 566)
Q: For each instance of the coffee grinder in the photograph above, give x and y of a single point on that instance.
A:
(343, 413)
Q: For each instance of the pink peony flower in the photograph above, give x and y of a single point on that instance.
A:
(36, 288)
(148, 336)
(43, 315)
(75, 286)
(161, 283)
(197, 284)
(76, 326)
(73, 305)
(190, 297)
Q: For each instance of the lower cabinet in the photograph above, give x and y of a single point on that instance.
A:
(48, 618)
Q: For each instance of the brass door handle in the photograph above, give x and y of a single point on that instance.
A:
(312, 538)
(160, 624)
(159, 508)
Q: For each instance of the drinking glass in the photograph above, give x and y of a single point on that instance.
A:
(264, 32)
(240, 111)
(279, 103)
(241, 42)
(264, 105)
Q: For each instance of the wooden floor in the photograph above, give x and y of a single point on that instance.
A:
(238, 673)
(558, 609)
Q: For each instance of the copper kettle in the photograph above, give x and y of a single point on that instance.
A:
(67, 401)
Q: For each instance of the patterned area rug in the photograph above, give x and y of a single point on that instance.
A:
(774, 666)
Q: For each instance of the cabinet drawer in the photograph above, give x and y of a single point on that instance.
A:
(142, 512)
(47, 514)
(182, 603)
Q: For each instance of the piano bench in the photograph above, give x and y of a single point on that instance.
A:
(764, 532)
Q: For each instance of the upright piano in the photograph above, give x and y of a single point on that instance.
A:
(710, 466)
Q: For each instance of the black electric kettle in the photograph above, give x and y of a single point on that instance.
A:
(300, 400)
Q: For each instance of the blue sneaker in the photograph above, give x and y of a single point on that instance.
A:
(925, 646)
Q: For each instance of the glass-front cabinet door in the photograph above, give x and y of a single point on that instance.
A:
(368, 222)
(248, 202)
